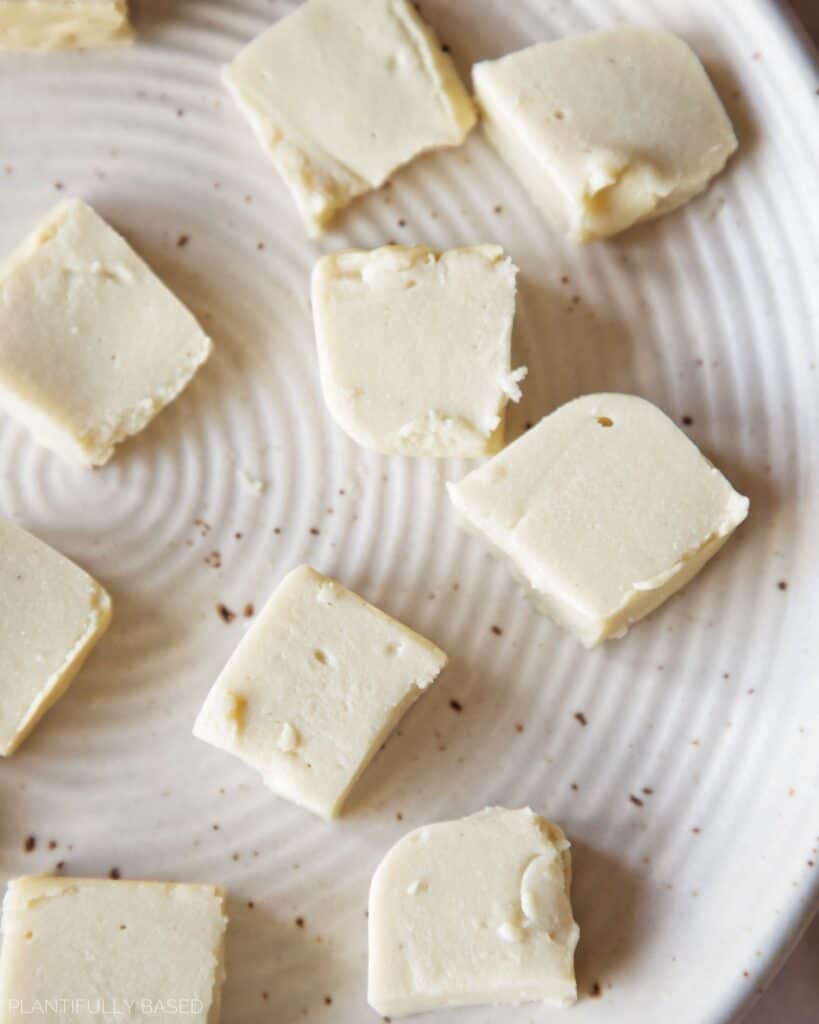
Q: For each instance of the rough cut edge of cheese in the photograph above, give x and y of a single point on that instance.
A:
(46, 25)
(97, 622)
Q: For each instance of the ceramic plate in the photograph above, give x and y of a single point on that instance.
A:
(683, 761)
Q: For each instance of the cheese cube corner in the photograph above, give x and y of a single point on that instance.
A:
(314, 689)
(63, 24)
(474, 911)
(51, 616)
(95, 949)
(92, 343)
(606, 129)
(415, 347)
(341, 93)
(605, 509)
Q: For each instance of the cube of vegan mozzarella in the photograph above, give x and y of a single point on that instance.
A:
(473, 911)
(98, 950)
(343, 92)
(62, 24)
(605, 509)
(51, 616)
(606, 129)
(314, 689)
(92, 344)
(415, 347)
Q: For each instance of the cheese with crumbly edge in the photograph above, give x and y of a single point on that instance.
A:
(63, 24)
(145, 951)
(343, 92)
(605, 509)
(92, 343)
(415, 347)
(605, 129)
(314, 689)
(473, 911)
(51, 616)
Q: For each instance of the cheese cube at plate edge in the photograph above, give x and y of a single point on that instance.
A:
(473, 911)
(57, 25)
(605, 129)
(341, 93)
(51, 616)
(314, 688)
(414, 347)
(604, 509)
(92, 343)
(143, 950)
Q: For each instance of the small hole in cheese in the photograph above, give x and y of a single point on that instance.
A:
(604, 421)
(28, 936)
(320, 657)
(559, 115)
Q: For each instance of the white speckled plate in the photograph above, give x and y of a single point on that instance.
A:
(683, 761)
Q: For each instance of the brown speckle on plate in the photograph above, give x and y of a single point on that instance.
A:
(182, 241)
(114, 874)
(224, 613)
(581, 718)
(635, 800)
(497, 631)
(29, 844)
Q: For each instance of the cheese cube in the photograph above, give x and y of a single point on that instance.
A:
(607, 129)
(415, 347)
(62, 24)
(605, 509)
(473, 911)
(86, 950)
(343, 92)
(92, 344)
(314, 689)
(51, 616)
